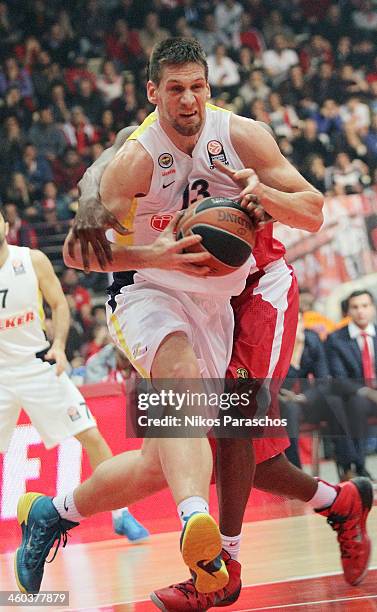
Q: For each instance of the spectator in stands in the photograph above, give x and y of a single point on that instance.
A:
(283, 118)
(315, 53)
(9, 32)
(107, 129)
(15, 105)
(273, 25)
(255, 87)
(19, 192)
(299, 399)
(20, 232)
(278, 60)
(335, 25)
(77, 71)
(123, 46)
(347, 176)
(109, 82)
(309, 143)
(246, 64)
(109, 364)
(297, 91)
(315, 172)
(350, 140)
(60, 47)
(72, 287)
(250, 36)
(228, 17)
(355, 112)
(47, 138)
(223, 72)
(352, 352)
(100, 335)
(125, 107)
(12, 144)
(68, 171)
(209, 34)
(90, 100)
(12, 76)
(328, 119)
(313, 319)
(35, 168)
(79, 132)
(151, 33)
(59, 104)
(324, 83)
(52, 200)
(365, 18)
(351, 83)
(92, 22)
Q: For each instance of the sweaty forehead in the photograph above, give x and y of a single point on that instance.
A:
(182, 72)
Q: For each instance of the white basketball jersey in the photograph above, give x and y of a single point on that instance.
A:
(178, 180)
(21, 332)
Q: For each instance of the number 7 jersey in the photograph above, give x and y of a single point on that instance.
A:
(21, 312)
(178, 181)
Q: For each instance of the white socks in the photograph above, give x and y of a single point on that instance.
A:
(190, 505)
(66, 507)
(232, 545)
(324, 496)
(118, 513)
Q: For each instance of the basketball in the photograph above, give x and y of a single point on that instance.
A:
(227, 231)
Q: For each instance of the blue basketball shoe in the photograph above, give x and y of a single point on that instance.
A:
(41, 526)
(127, 525)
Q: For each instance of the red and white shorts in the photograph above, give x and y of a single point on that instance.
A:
(266, 314)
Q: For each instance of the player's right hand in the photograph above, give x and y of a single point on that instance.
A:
(89, 228)
(167, 252)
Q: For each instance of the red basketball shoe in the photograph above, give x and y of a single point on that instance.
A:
(348, 516)
(184, 597)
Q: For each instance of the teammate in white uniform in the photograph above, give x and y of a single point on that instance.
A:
(54, 405)
(178, 86)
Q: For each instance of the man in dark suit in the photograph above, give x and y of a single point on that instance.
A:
(352, 355)
(305, 394)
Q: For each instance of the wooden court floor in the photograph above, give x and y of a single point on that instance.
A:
(288, 564)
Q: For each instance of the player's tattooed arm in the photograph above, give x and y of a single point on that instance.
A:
(166, 253)
(92, 219)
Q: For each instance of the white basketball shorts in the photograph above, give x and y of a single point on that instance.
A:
(145, 314)
(54, 405)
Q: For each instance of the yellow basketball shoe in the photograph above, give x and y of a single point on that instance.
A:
(201, 551)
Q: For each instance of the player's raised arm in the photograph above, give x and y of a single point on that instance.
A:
(282, 191)
(52, 292)
(92, 219)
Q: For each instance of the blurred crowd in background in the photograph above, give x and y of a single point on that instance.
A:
(73, 73)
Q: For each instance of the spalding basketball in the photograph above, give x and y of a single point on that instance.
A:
(227, 232)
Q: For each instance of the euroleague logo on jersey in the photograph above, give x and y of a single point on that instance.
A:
(216, 153)
(165, 160)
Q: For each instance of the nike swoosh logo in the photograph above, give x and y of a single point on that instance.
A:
(210, 567)
(65, 505)
(28, 545)
(168, 185)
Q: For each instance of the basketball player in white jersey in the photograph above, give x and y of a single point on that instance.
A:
(274, 473)
(54, 405)
(178, 85)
